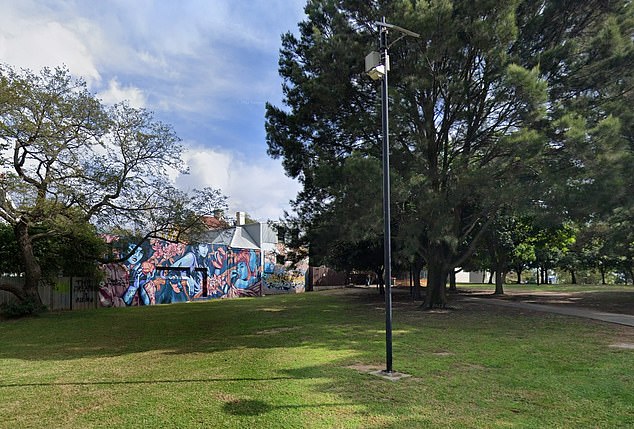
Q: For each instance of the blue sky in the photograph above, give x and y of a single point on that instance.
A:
(206, 67)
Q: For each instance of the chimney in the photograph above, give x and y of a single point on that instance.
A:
(241, 218)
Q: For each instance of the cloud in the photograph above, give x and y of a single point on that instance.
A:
(33, 40)
(116, 93)
(256, 185)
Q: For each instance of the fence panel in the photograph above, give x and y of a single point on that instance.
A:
(68, 293)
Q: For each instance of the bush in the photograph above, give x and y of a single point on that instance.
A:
(18, 309)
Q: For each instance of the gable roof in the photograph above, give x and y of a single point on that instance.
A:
(236, 237)
(242, 239)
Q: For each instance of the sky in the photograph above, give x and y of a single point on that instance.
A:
(207, 67)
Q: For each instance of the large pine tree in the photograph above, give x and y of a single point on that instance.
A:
(484, 110)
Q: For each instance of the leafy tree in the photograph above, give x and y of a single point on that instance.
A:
(552, 243)
(509, 245)
(621, 240)
(71, 254)
(487, 102)
(68, 161)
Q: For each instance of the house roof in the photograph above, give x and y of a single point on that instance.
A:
(236, 237)
(249, 236)
(243, 240)
(213, 222)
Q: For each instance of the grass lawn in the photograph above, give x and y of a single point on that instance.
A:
(299, 362)
(559, 287)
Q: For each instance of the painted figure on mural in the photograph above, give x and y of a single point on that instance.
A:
(139, 277)
(245, 273)
(195, 258)
(172, 291)
(218, 264)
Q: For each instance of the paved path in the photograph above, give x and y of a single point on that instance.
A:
(621, 319)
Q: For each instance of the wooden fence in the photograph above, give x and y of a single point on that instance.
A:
(67, 293)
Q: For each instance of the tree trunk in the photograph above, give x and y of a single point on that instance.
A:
(602, 270)
(32, 269)
(573, 277)
(452, 281)
(631, 273)
(436, 286)
(499, 284)
(491, 277)
(519, 275)
(418, 265)
(379, 281)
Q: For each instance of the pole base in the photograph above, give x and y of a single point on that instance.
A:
(390, 375)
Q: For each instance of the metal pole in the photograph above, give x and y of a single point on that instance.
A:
(387, 243)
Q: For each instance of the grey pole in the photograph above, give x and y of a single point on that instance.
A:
(387, 237)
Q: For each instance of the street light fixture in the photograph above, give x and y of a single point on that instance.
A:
(377, 65)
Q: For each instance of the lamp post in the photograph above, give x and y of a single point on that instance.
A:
(377, 64)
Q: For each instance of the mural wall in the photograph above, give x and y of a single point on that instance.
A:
(164, 272)
(282, 278)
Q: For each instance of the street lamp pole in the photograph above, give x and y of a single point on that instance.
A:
(377, 66)
(387, 231)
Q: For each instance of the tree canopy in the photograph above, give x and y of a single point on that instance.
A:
(499, 106)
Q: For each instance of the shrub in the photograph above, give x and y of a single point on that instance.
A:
(18, 309)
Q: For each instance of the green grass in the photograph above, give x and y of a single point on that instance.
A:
(284, 361)
(532, 287)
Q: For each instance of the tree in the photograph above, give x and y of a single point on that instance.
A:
(552, 243)
(459, 107)
(68, 161)
(347, 245)
(621, 240)
(56, 254)
(482, 106)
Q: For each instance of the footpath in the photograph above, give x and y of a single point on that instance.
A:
(621, 319)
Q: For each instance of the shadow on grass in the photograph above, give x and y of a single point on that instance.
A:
(251, 407)
(208, 327)
(139, 382)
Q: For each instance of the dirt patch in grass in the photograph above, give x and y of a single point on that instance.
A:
(627, 346)
(365, 368)
(276, 330)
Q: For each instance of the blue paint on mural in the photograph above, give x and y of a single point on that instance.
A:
(166, 272)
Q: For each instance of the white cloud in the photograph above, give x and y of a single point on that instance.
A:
(37, 41)
(116, 93)
(256, 185)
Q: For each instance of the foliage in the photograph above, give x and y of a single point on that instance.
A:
(71, 254)
(499, 105)
(17, 309)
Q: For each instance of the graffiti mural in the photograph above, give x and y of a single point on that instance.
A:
(281, 278)
(114, 284)
(164, 272)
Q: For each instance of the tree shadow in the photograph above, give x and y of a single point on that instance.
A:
(247, 407)
(252, 407)
(139, 382)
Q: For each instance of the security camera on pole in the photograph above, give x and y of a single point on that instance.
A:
(377, 65)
